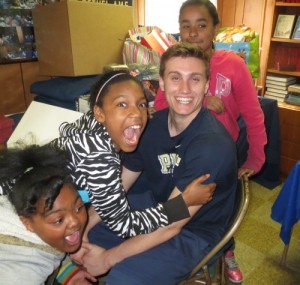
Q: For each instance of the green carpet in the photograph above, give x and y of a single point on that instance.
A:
(258, 246)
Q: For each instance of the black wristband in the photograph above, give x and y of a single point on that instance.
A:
(176, 209)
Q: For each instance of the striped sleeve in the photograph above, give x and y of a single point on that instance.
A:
(102, 174)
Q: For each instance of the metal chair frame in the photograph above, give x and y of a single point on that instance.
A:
(242, 204)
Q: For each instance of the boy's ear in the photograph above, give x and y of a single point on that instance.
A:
(99, 114)
(161, 83)
(27, 223)
(206, 86)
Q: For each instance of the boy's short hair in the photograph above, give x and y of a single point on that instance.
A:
(184, 50)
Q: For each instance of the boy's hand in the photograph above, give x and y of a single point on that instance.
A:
(94, 260)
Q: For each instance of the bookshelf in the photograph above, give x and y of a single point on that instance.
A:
(284, 63)
(289, 114)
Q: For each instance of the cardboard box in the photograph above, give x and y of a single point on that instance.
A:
(76, 38)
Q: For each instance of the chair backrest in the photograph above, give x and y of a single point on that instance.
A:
(241, 205)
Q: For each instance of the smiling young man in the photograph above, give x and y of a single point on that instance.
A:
(231, 97)
(178, 145)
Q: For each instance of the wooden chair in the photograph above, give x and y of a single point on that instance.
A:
(201, 274)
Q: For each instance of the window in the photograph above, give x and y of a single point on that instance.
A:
(164, 14)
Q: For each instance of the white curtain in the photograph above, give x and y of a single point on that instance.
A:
(164, 14)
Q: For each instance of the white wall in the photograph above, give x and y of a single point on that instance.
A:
(164, 14)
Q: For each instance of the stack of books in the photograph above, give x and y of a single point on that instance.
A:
(293, 96)
(277, 86)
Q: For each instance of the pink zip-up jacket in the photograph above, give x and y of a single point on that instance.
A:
(231, 81)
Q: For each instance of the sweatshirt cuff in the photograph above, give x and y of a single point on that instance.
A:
(176, 209)
(66, 273)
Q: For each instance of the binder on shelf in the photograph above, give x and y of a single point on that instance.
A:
(296, 32)
(281, 78)
(279, 99)
(279, 87)
(283, 92)
(274, 94)
(294, 88)
(284, 26)
(293, 99)
(280, 83)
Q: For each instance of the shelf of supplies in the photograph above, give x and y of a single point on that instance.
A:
(291, 41)
(292, 73)
(287, 4)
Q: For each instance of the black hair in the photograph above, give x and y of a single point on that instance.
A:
(184, 50)
(101, 87)
(34, 172)
(209, 5)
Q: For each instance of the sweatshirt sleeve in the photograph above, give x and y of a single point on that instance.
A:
(252, 113)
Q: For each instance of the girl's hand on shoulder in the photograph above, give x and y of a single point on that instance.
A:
(247, 171)
(197, 193)
(215, 104)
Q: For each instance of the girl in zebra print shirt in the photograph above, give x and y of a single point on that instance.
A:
(115, 123)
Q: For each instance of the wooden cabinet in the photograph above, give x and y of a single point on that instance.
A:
(15, 81)
(11, 93)
(289, 120)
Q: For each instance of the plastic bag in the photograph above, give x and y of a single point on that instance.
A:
(245, 42)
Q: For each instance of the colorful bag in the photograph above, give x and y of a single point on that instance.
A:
(136, 53)
(243, 41)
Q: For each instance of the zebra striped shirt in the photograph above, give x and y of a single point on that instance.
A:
(95, 166)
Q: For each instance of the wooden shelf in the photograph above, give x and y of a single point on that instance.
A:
(291, 41)
(289, 106)
(10, 61)
(291, 73)
(279, 3)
